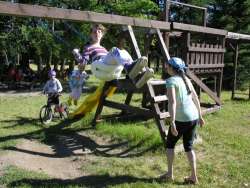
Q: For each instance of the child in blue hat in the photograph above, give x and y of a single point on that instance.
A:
(185, 114)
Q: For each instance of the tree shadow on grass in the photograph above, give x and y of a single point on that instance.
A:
(20, 121)
(69, 142)
(97, 181)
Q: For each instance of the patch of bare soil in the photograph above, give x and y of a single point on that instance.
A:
(38, 157)
(63, 158)
(14, 93)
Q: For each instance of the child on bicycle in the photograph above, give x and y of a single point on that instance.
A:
(76, 81)
(53, 87)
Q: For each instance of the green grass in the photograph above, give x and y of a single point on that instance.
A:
(223, 156)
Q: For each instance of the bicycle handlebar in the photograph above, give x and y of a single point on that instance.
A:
(53, 94)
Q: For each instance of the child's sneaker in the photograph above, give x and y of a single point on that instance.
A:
(149, 73)
(139, 64)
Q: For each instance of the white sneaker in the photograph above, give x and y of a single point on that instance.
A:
(149, 73)
(77, 55)
(137, 68)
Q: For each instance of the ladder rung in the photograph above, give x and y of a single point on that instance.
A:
(164, 115)
(156, 82)
(160, 98)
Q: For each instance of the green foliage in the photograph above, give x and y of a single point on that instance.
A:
(234, 16)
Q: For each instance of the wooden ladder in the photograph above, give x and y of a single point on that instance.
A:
(156, 89)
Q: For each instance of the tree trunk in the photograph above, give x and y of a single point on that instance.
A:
(6, 57)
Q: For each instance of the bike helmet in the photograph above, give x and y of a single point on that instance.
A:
(52, 73)
(177, 63)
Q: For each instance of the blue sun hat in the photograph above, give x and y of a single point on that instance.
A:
(52, 73)
(177, 63)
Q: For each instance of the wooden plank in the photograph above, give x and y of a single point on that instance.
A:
(196, 66)
(204, 87)
(203, 54)
(134, 42)
(236, 55)
(238, 36)
(210, 110)
(242, 93)
(128, 108)
(162, 43)
(164, 115)
(216, 55)
(197, 58)
(160, 98)
(156, 82)
(25, 10)
(198, 29)
(206, 58)
(198, 49)
(211, 58)
(192, 58)
(187, 5)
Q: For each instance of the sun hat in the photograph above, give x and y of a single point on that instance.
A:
(177, 63)
(52, 73)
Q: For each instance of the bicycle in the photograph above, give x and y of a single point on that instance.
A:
(47, 112)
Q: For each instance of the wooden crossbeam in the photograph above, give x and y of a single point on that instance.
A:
(205, 66)
(132, 109)
(213, 50)
(198, 29)
(25, 10)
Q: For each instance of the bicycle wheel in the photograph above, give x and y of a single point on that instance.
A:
(46, 114)
(64, 111)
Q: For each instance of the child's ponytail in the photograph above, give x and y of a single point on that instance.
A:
(184, 78)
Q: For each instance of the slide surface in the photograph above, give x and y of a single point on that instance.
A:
(91, 101)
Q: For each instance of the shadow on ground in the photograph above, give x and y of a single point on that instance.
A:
(97, 181)
(70, 142)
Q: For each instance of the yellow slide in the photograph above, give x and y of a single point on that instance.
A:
(91, 101)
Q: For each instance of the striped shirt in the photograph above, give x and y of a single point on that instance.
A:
(92, 53)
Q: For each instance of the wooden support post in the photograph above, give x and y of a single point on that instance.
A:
(215, 82)
(147, 41)
(236, 54)
(185, 47)
(204, 17)
(134, 42)
(128, 100)
(166, 34)
(164, 50)
(249, 91)
(163, 45)
(100, 105)
(219, 84)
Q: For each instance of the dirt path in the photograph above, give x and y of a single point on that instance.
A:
(13, 93)
(63, 158)
(34, 156)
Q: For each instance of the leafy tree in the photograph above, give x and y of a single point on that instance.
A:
(234, 16)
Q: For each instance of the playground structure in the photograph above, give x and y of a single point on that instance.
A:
(204, 57)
